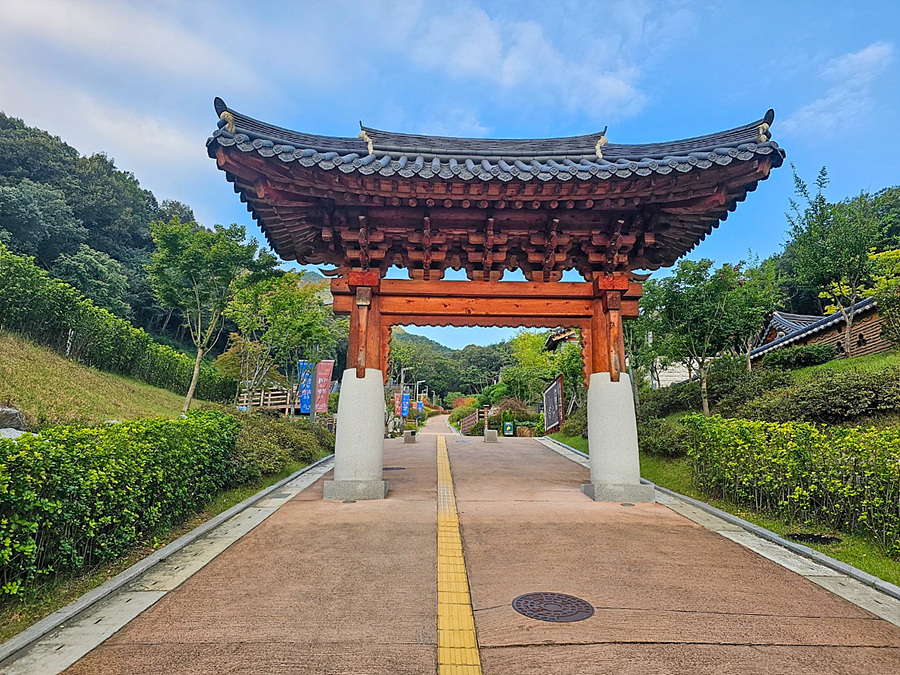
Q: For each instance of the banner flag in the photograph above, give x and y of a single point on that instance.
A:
(419, 406)
(323, 385)
(306, 377)
(398, 398)
(404, 406)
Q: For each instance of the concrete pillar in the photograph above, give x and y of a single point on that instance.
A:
(359, 445)
(612, 439)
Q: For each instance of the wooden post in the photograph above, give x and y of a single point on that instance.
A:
(363, 300)
(612, 305)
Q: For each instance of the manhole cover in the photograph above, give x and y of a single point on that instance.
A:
(806, 538)
(555, 607)
(395, 468)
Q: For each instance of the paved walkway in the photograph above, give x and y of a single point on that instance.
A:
(332, 587)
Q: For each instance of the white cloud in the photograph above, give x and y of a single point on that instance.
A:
(118, 34)
(852, 82)
(600, 79)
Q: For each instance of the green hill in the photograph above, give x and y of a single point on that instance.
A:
(50, 389)
(401, 335)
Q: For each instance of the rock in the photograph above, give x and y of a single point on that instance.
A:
(10, 418)
(11, 433)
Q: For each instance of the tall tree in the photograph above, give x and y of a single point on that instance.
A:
(96, 275)
(698, 313)
(194, 270)
(830, 245)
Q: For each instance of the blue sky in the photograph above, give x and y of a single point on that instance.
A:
(137, 79)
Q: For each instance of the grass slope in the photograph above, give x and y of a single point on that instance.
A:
(870, 362)
(50, 389)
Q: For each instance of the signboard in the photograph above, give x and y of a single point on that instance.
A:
(305, 369)
(404, 404)
(398, 402)
(509, 428)
(554, 407)
(323, 385)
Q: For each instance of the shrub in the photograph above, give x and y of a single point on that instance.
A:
(460, 412)
(576, 423)
(828, 397)
(460, 402)
(663, 438)
(265, 445)
(682, 396)
(799, 356)
(846, 478)
(56, 315)
(75, 494)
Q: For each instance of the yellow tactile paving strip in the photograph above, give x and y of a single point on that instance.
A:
(457, 650)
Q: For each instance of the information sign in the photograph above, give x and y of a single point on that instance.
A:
(554, 407)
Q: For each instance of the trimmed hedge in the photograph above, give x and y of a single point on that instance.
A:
(56, 315)
(828, 397)
(799, 356)
(73, 495)
(846, 478)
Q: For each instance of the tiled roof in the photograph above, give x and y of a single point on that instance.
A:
(575, 157)
(820, 323)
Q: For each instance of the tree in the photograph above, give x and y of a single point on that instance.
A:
(830, 245)
(886, 290)
(96, 275)
(39, 222)
(194, 270)
(698, 313)
(297, 323)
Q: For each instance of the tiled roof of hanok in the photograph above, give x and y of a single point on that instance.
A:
(543, 206)
(407, 155)
(806, 329)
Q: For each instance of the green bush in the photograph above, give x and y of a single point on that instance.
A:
(846, 478)
(460, 412)
(682, 396)
(662, 438)
(827, 397)
(799, 356)
(56, 315)
(73, 494)
(266, 444)
(576, 423)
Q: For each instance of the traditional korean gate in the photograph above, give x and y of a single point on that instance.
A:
(542, 206)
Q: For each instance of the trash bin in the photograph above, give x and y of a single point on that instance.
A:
(509, 428)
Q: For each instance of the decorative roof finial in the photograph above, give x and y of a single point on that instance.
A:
(369, 144)
(603, 140)
(229, 120)
(763, 132)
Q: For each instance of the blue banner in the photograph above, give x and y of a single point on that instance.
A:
(419, 406)
(404, 404)
(305, 368)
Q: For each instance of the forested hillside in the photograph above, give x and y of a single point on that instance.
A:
(84, 220)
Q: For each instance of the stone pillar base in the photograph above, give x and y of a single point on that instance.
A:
(356, 489)
(490, 436)
(359, 442)
(613, 443)
(619, 493)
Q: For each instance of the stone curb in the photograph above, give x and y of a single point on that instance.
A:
(32, 634)
(864, 577)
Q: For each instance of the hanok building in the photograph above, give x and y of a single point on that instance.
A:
(867, 335)
(487, 206)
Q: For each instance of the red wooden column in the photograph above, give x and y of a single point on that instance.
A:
(607, 353)
(364, 343)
